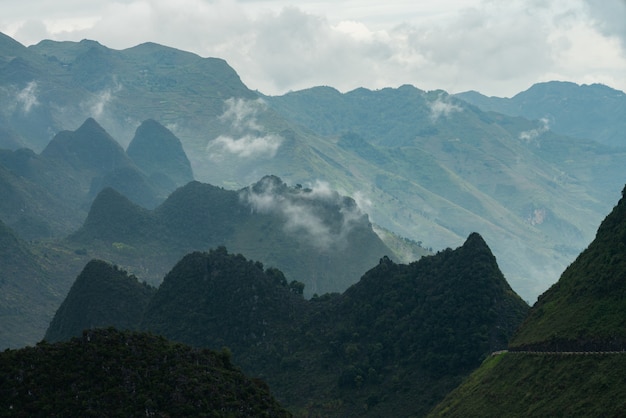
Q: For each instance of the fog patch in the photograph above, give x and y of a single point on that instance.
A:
(531, 135)
(317, 214)
(247, 138)
(27, 97)
(442, 106)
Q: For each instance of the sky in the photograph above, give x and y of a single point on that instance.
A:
(496, 47)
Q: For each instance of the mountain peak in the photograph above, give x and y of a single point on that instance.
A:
(159, 153)
(88, 147)
(114, 218)
(102, 295)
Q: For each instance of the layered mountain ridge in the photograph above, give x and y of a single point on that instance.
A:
(429, 166)
(392, 344)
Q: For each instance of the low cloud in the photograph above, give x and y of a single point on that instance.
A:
(442, 106)
(27, 97)
(531, 135)
(247, 138)
(318, 214)
(96, 105)
(245, 147)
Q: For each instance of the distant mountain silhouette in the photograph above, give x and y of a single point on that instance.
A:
(159, 154)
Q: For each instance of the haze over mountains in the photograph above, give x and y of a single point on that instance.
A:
(422, 164)
(186, 204)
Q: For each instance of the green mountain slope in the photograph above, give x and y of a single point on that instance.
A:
(447, 167)
(575, 333)
(112, 373)
(392, 345)
(102, 296)
(531, 385)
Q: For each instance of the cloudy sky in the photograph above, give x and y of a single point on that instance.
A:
(494, 46)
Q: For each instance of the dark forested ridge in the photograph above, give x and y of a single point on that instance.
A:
(586, 306)
(393, 344)
(108, 373)
(567, 358)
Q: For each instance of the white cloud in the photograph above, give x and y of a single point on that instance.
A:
(245, 147)
(531, 135)
(95, 106)
(27, 97)
(251, 141)
(442, 106)
(318, 214)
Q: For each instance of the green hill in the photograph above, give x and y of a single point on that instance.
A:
(102, 296)
(567, 358)
(113, 373)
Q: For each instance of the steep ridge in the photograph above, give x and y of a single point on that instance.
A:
(113, 373)
(393, 344)
(97, 160)
(567, 358)
(102, 296)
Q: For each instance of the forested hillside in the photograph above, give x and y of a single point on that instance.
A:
(113, 373)
(393, 344)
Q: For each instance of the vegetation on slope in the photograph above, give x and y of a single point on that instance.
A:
(533, 385)
(113, 373)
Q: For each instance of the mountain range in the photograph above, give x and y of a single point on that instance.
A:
(392, 344)
(425, 165)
